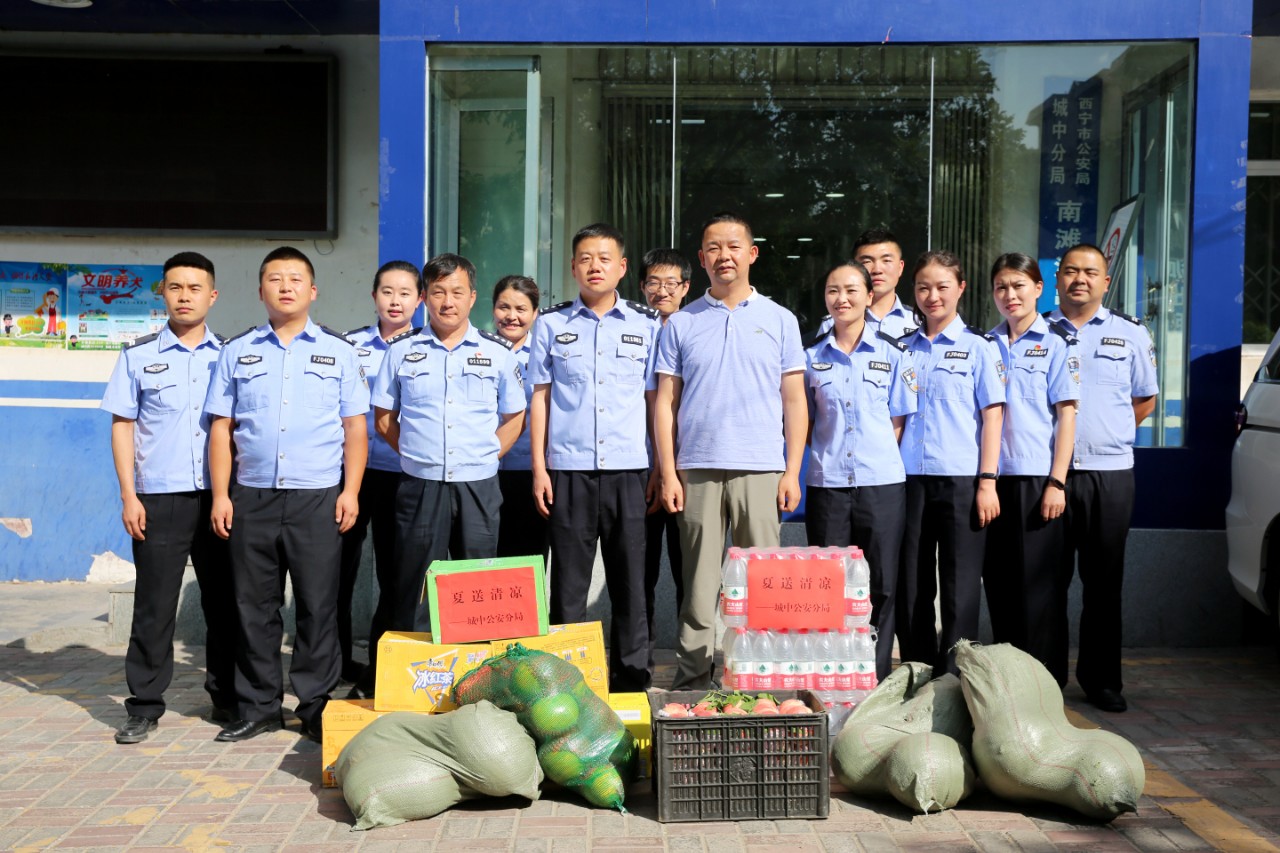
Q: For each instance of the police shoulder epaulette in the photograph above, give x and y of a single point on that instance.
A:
(336, 334)
(1046, 315)
(409, 334)
(239, 336)
(354, 331)
(640, 308)
(145, 339)
(883, 335)
(813, 337)
(982, 334)
(221, 339)
(1063, 333)
(495, 337)
(905, 335)
(1137, 321)
(559, 306)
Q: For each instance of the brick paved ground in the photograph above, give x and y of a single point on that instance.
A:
(1205, 720)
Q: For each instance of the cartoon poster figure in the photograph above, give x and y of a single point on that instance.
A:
(32, 296)
(115, 305)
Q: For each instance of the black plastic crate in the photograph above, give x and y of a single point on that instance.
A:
(740, 767)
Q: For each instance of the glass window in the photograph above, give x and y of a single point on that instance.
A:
(980, 149)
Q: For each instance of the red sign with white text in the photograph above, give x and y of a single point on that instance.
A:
(793, 594)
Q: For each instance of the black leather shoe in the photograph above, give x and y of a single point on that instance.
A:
(245, 729)
(360, 690)
(314, 731)
(135, 729)
(222, 715)
(1107, 700)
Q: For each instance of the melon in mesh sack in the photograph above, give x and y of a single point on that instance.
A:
(1024, 747)
(581, 742)
(909, 739)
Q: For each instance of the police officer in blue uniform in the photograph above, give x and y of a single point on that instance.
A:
(880, 253)
(1118, 386)
(159, 441)
(291, 396)
(592, 370)
(397, 291)
(950, 449)
(1024, 544)
(449, 399)
(857, 382)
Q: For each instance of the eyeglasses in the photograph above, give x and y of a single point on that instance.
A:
(669, 286)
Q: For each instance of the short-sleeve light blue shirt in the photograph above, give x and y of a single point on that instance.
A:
(731, 363)
(852, 398)
(959, 373)
(449, 401)
(598, 369)
(288, 403)
(1117, 363)
(520, 456)
(160, 385)
(370, 350)
(1039, 375)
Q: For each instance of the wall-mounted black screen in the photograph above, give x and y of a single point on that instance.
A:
(228, 144)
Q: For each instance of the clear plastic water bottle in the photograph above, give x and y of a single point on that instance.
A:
(788, 674)
(726, 647)
(802, 652)
(733, 590)
(765, 670)
(824, 665)
(864, 656)
(857, 589)
(744, 664)
(845, 666)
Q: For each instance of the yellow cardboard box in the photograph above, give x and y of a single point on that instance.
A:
(415, 674)
(633, 710)
(580, 643)
(342, 720)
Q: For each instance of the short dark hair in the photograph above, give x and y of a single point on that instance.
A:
(286, 253)
(855, 265)
(1083, 247)
(665, 258)
(601, 230)
(520, 284)
(872, 236)
(194, 260)
(730, 217)
(446, 264)
(1018, 262)
(399, 266)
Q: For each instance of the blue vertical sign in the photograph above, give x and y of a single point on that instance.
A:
(1069, 142)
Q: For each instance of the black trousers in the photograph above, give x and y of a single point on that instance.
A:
(438, 521)
(604, 506)
(275, 531)
(942, 555)
(1025, 597)
(377, 507)
(522, 531)
(1099, 509)
(655, 525)
(873, 518)
(177, 528)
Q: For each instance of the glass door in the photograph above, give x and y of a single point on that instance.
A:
(485, 199)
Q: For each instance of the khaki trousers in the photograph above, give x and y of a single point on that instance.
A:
(746, 504)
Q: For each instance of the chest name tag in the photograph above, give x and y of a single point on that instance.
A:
(822, 365)
(566, 338)
(363, 352)
(879, 365)
(480, 361)
(414, 357)
(633, 339)
(1035, 353)
(957, 353)
(155, 368)
(1113, 342)
(249, 359)
(323, 359)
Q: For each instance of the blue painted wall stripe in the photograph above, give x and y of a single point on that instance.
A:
(41, 389)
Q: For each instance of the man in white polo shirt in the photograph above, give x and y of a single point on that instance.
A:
(729, 426)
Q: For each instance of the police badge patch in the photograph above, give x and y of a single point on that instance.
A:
(821, 365)
(415, 357)
(909, 377)
(566, 338)
(155, 368)
(249, 359)
(1073, 367)
(1001, 372)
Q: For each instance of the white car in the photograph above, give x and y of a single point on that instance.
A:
(1253, 515)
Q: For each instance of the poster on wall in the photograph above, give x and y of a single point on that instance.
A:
(33, 298)
(112, 306)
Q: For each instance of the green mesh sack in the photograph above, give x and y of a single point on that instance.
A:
(581, 742)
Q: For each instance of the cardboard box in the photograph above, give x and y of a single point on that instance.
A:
(633, 709)
(342, 720)
(475, 601)
(416, 674)
(580, 643)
